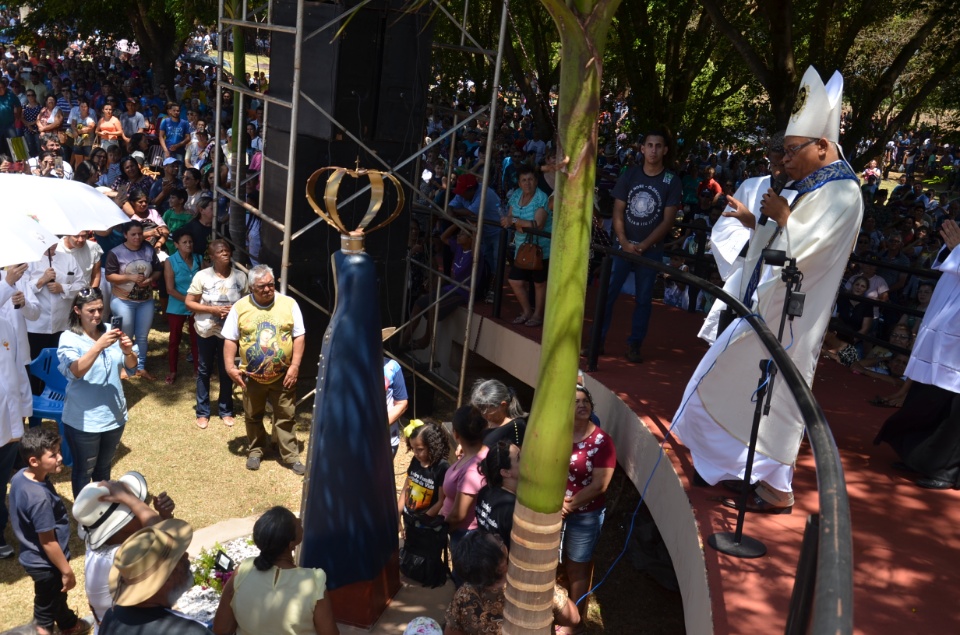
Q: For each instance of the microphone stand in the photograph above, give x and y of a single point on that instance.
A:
(736, 544)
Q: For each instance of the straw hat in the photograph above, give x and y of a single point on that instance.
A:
(147, 559)
(97, 520)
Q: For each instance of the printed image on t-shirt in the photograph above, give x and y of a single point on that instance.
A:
(643, 206)
(265, 358)
(215, 291)
(646, 198)
(424, 483)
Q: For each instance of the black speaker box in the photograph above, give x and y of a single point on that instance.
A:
(373, 78)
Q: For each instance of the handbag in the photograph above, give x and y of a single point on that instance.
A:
(529, 256)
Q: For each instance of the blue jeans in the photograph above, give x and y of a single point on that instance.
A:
(489, 248)
(643, 279)
(580, 534)
(93, 453)
(137, 320)
(33, 142)
(211, 354)
(8, 458)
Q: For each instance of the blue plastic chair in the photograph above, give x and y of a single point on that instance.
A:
(49, 403)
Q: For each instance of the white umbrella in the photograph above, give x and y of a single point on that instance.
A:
(63, 207)
(23, 240)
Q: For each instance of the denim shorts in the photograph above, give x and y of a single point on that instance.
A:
(580, 535)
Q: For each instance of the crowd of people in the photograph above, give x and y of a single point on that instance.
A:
(465, 486)
(264, 329)
(898, 241)
(94, 297)
(461, 485)
(98, 120)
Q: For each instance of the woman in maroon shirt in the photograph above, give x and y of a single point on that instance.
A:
(592, 462)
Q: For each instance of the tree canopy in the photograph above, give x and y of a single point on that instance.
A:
(160, 27)
(719, 69)
(716, 69)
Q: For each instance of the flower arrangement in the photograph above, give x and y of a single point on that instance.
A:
(205, 573)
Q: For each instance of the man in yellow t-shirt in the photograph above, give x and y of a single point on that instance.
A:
(266, 328)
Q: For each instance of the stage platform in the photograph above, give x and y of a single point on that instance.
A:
(906, 539)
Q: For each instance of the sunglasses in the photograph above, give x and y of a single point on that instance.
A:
(90, 292)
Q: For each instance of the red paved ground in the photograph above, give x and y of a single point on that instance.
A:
(906, 539)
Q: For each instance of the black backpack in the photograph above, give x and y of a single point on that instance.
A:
(422, 554)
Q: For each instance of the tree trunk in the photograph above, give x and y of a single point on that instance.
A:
(774, 68)
(156, 46)
(158, 40)
(543, 473)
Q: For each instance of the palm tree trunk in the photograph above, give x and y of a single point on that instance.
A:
(546, 451)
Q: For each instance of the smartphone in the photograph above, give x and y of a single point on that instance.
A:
(58, 163)
(116, 322)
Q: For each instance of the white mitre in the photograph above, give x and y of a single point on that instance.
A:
(817, 110)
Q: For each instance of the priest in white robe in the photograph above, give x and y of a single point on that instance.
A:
(16, 400)
(925, 432)
(819, 229)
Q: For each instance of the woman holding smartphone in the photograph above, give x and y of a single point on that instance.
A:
(95, 409)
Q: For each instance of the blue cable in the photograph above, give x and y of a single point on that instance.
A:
(753, 396)
(643, 494)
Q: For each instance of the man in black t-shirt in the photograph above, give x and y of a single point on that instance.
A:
(646, 199)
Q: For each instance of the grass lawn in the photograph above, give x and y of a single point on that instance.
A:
(254, 63)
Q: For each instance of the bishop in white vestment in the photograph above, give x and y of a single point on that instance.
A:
(819, 229)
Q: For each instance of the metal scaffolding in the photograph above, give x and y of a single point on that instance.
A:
(244, 16)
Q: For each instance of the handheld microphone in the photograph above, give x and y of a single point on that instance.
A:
(777, 182)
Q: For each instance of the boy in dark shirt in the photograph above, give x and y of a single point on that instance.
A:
(42, 527)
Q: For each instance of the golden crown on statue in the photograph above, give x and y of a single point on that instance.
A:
(352, 240)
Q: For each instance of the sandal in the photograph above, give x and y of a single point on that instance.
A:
(203, 422)
(521, 319)
(533, 322)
